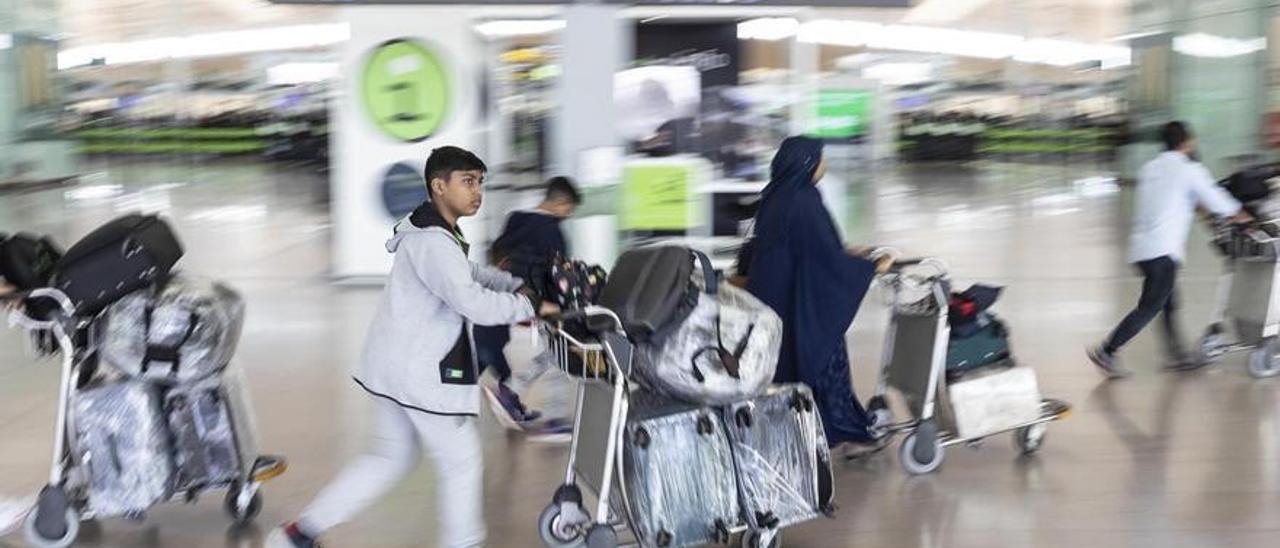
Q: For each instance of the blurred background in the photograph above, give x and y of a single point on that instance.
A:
(283, 139)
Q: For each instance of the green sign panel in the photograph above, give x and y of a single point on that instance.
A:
(843, 114)
(405, 90)
(655, 197)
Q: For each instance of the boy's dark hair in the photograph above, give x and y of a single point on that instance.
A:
(1174, 135)
(561, 188)
(445, 160)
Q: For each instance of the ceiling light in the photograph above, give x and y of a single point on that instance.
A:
(1212, 46)
(510, 28)
(768, 28)
(207, 45)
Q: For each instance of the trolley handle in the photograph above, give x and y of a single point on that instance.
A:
(21, 318)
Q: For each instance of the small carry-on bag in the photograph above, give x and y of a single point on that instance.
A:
(123, 442)
(784, 464)
(678, 473)
(129, 253)
(214, 438)
(986, 346)
(181, 333)
(27, 261)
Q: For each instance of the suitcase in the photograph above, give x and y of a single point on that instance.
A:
(986, 346)
(781, 453)
(214, 438)
(124, 255)
(678, 473)
(651, 290)
(991, 401)
(123, 443)
(182, 333)
(27, 261)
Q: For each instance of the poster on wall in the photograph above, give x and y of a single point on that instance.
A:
(843, 115)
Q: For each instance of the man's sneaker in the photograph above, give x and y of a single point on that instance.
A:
(553, 431)
(1106, 362)
(289, 536)
(508, 409)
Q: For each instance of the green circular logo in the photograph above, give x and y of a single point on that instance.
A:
(405, 90)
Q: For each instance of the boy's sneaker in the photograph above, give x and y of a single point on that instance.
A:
(1106, 362)
(553, 431)
(507, 408)
(289, 536)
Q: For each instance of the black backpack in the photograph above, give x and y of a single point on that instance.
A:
(120, 257)
(27, 261)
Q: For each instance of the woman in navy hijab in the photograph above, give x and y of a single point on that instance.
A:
(800, 268)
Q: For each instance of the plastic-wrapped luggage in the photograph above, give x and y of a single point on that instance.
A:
(724, 351)
(126, 254)
(991, 400)
(186, 333)
(678, 473)
(781, 453)
(123, 442)
(214, 437)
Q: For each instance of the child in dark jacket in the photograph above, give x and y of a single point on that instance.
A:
(529, 241)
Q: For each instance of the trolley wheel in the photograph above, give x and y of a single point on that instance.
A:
(555, 533)
(1210, 346)
(1265, 360)
(602, 536)
(44, 531)
(755, 539)
(242, 513)
(1030, 438)
(921, 451)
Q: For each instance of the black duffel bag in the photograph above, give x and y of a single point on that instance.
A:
(27, 261)
(122, 256)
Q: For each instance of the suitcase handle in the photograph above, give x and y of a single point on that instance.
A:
(166, 353)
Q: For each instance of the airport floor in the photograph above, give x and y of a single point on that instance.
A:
(1161, 459)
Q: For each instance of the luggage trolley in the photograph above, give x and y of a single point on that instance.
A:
(914, 365)
(1248, 297)
(601, 365)
(62, 505)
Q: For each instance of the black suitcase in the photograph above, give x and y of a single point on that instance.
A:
(27, 261)
(651, 289)
(124, 255)
(783, 462)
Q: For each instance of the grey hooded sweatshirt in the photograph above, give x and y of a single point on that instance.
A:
(419, 351)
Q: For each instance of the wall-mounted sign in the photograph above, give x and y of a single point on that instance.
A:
(843, 114)
(405, 90)
(403, 190)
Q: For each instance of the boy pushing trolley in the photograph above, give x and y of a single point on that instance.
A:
(419, 363)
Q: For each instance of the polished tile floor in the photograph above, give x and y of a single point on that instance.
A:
(1158, 460)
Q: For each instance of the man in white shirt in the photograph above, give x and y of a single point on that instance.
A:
(1170, 187)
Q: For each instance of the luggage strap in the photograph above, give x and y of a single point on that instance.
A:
(730, 360)
(163, 353)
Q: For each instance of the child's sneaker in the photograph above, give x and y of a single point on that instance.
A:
(289, 536)
(1106, 361)
(553, 431)
(507, 408)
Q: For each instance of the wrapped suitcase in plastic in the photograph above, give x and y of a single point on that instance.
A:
(781, 453)
(123, 442)
(678, 473)
(186, 332)
(214, 438)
